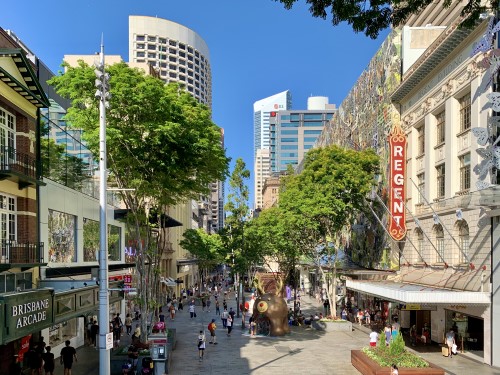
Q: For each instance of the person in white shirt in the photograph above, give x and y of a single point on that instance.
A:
(201, 345)
(373, 338)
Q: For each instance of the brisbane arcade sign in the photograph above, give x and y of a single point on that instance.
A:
(397, 195)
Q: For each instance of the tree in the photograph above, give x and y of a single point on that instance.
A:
(237, 209)
(325, 198)
(374, 16)
(160, 142)
(207, 248)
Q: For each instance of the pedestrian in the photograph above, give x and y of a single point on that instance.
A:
(201, 345)
(192, 311)
(388, 334)
(223, 317)
(203, 304)
(35, 361)
(232, 313)
(94, 330)
(413, 335)
(172, 312)
(394, 370)
(162, 315)
(117, 332)
(180, 306)
(68, 354)
(49, 363)
(373, 337)
(128, 324)
(217, 307)
(211, 328)
(253, 325)
(367, 317)
(208, 303)
(395, 328)
(326, 306)
(229, 325)
(224, 304)
(450, 341)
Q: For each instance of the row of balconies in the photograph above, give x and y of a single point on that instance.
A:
(22, 169)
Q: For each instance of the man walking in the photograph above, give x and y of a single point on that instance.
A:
(191, 309)
(211, 329)
(68, 354)
(223, 317)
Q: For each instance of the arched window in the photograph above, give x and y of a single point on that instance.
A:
(463, 241)
(439, 234)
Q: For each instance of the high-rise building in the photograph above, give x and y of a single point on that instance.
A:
(262, 170)
(293, 133)
(177, 53)
(261, 112)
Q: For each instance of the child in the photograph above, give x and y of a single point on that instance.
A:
(394, 370)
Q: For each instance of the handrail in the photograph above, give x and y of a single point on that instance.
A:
(13, 252)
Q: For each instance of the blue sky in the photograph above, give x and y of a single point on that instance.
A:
(257, 49)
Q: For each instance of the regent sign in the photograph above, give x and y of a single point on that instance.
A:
(30, 312)
(397, 196)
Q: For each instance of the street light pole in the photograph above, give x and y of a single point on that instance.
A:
(103, 94)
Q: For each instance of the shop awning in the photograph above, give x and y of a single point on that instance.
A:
(412, 293)
(168, 281)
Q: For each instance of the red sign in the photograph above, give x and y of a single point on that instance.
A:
(25, 345)
(397, 196)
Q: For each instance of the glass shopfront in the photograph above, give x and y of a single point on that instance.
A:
(469, 330)
(61, 332)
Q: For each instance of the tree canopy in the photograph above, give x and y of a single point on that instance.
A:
(374, 16)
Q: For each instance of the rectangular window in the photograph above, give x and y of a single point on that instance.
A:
(8, 218)
(440, 249)
(313, 116)
(440, 128)
(421, 188)
(463, 242)
(464, 172)
(290, 147)
(295, 117)
(310, 139)
(420, 246)
(307, 147)
(465, 112)
(329, 116)
(289, 154)
(311, 132)
(289, 140)
(140, 45)
(288, 125)
(421, 140)
(152, 47)
(62, 237)
(151, 39)
(285, 117)
(289, 131)
(313, 124)
(140, 38)
(441, 174)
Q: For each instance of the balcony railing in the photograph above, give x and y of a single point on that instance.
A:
(12, 161)
(14, 252)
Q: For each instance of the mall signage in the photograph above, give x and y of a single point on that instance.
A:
(397, 196)
(26, 312)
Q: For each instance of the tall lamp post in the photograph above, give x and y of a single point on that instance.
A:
(103, 94)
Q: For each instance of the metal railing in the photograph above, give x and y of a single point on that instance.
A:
(14, 252)
(15, 161)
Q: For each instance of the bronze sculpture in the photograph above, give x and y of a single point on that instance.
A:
(272, 308)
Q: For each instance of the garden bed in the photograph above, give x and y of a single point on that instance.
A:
(367, 366)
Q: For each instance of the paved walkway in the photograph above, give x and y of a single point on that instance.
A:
(304, 351)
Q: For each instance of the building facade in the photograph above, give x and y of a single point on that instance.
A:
(293, 133)
(177, 53)
(262, 171)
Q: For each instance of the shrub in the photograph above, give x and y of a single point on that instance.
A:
(394, 353)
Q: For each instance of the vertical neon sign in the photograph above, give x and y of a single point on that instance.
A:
(397, 196)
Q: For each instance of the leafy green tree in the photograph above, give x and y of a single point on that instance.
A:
(160, 142)
(374, 16)
(237, 210)
(324, 200)
(207, 248)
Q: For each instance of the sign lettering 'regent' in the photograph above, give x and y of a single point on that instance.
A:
(397, 196)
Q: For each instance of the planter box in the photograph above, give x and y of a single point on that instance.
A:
(339, 326)
(367, 366)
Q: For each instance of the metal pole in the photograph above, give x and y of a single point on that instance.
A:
(104, 355)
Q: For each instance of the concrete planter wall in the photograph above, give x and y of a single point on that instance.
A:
(337, 326)
(367, 366)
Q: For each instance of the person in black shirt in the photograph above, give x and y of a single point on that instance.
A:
(49, 363)
(94, 331)
(68, 353)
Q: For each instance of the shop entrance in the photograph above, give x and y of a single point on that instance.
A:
(469, 331)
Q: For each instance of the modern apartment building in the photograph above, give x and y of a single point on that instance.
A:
(293, 133)
(177, 53)
(261, 114)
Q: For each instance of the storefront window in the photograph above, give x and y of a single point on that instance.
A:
(61, 332)
(62, 247)
(114, 242)
(90, 240)
(469, 330)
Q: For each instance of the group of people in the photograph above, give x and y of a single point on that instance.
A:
(40, 358)
(391, 331)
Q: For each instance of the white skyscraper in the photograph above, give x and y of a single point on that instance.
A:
(261, 112)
